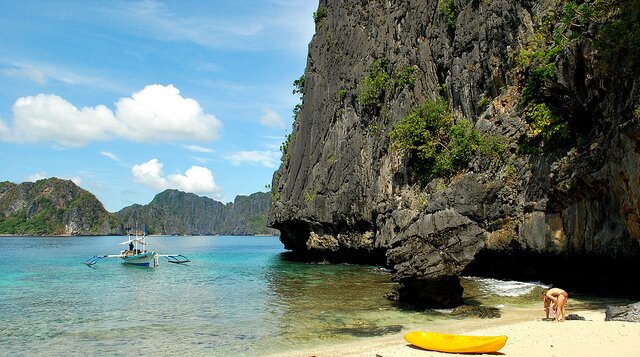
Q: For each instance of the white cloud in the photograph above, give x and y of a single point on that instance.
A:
(150, 174)
(36, 176)
(264, 25)
(46, 117)
(43, 73)
(156, 113)
(272, 119)
(262, 158)
(43, 175)
(76, 179)
(110, 155)
(196, 148)
(160, 113)
(196, 179)
(29, 73)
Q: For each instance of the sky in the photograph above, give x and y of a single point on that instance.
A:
(129, 98)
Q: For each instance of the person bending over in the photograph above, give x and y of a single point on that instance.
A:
(559, 298)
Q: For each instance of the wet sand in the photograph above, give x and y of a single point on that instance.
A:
(528, 333)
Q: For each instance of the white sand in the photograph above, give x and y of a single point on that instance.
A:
(528, 336)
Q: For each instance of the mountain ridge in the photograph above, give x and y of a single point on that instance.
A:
(53, 206)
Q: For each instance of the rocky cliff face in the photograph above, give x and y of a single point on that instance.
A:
(176, 212)
(560, 205)
(53, 207)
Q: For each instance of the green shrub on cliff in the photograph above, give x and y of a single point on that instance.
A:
(618, 38)
(448, 8)
(557, 29)
(437, 145)
(320, 15)
(374, 86)
(405, 78)
(548, 127)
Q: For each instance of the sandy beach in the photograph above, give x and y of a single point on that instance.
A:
(528, 335)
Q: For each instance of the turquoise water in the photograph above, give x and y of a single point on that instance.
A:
(238, 296)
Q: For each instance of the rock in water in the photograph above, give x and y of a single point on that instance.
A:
(483, 312)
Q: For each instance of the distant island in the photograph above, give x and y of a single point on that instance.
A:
(59, 207)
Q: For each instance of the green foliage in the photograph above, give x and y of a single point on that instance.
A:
(296, 111)
(509, 173)
(298, 85)
(258, 224)
(437, 146)
(284, 148)
(555, 32)
(483, 102)
(374, 129)
(374, 86)
(342, 93)
(309, 195)
(47, 220)
(576, 18)
(448, 9)
(405, 77)
(538, 61)
(636, 112)
(618, 40)
(320, 15)
(549, 129)
(492, 147)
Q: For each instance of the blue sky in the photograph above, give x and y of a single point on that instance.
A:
(128, 98)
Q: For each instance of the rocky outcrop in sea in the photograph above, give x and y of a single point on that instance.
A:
(554, 84)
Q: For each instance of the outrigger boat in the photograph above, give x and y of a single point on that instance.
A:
(138, 255)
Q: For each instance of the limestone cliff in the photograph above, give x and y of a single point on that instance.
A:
(176, 212)
(553, 79)
(53, 207)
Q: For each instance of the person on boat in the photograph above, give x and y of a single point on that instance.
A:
(131, 247)
(559, 298)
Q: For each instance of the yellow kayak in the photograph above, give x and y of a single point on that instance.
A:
(455, 343)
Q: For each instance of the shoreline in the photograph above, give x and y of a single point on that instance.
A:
(528, 335)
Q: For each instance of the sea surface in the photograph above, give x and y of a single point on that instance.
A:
(238, 297)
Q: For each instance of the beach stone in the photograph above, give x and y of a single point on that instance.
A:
(575, 317)
(629, 313)
(483, 312)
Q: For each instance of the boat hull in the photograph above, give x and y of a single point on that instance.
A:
(455, 343)
(143, 259)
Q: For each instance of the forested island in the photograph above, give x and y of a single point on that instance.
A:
(59, 207)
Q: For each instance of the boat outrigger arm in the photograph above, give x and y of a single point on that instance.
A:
(175, 258)
(171, 258)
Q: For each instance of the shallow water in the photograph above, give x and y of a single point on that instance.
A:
(238, 296)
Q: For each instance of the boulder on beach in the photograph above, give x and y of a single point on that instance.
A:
(630, 313)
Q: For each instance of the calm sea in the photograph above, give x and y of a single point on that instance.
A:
(238, 296)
